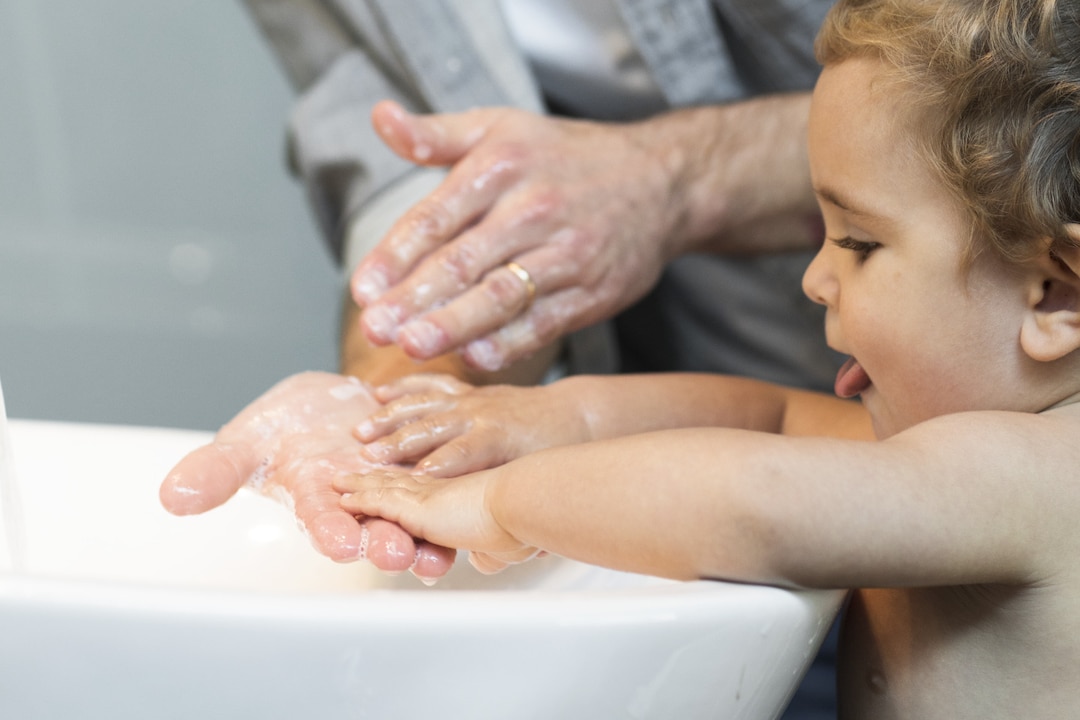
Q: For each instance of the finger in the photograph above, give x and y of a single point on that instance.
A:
(415, 440)
(432, 561)
(207, 477)
(513, 225)
(317, 506)
(499, 297)
(406, 500)
(470, 189)
(420, 382)
(445, 267)
(497, 301)
(336, 534)
(503, 296)
(387, 284)
(549, 318)
(462, 455)
(405, 410)
(389, 496)
(430, 139)
(387, 546)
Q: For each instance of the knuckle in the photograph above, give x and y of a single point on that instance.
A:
(504, 289)
(382, 418)
(429, 218)
(460, 261)
(420, 435)
(508, 157)
(453, 386)
(544, 204)
(432, 426)
(500, 165)
(545, 327)
(459, 450)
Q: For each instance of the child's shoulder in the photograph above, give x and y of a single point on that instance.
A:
(1001, 430)
(1018, 466)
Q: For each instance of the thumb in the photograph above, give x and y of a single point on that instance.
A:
(434, 140)
(207, 477)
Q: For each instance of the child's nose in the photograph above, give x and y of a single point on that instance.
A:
(819, 282)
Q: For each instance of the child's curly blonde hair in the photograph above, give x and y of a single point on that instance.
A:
(995, 86)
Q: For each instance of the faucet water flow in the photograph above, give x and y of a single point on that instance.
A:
(12, 541)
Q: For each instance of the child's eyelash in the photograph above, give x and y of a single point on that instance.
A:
(862, 247)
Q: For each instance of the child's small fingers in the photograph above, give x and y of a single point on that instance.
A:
(416, 440)
(420, 383)
(350, 483)
(399, 413)
(387, 502)
(346, 482)
(461, 455)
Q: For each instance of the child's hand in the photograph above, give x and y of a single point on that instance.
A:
(290, 444)
(448, 427)
(445, 512)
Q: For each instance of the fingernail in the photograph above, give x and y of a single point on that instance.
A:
(370, 286)
(483, 354)
(422, 336)
(381, 322)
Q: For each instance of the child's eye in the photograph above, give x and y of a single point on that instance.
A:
(862, 248)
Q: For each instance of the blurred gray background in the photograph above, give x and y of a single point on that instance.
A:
(157, 264)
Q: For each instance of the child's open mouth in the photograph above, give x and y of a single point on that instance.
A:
(851, 379)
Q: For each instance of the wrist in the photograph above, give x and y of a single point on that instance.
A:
(579, 408)
(668, 142)
(497, 499)
(731, 167)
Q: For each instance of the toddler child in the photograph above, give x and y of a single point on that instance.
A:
(944, 144)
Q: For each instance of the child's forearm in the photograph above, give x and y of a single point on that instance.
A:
(679, 504)
(630, 404)
(687, 503)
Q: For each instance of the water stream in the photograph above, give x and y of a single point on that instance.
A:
(12, 539)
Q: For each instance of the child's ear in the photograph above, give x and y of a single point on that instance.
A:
(1051, 329)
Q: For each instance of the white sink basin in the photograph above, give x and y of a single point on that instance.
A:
(123, 611)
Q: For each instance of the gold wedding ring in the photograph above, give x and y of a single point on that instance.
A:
(525, 277)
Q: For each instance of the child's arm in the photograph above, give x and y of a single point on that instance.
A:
(967, 498)
(450, 427)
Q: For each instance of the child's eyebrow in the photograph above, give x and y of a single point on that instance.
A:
(833, 197)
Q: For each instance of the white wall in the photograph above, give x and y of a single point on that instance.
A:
(157, 264)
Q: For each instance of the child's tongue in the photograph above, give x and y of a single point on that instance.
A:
(851, 379)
